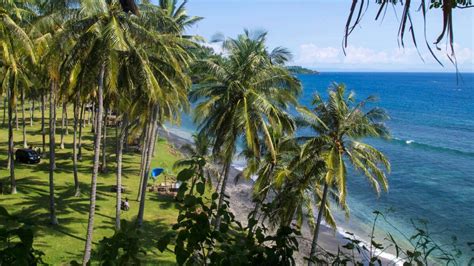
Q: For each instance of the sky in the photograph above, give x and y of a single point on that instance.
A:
(313, 29)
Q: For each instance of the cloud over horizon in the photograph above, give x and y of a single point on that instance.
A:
(314, 56)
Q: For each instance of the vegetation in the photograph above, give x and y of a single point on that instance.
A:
(65, 242)
(242, 96)
(339, 125)
(301, 70)
(124, 70)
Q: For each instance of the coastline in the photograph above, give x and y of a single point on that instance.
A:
(240, 196)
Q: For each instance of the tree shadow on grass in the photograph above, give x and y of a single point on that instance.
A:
(152, 231)
(166, 201)
(35, 202)
(72, 211)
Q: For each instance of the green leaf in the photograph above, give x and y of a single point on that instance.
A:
(164, 242)
(4, 212)
(200, 187)
(189, 200)
(26, 236)
(181, 254)
(185, 175)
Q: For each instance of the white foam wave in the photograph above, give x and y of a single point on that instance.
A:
(382, 254)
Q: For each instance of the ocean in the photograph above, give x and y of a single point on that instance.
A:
(431, 152)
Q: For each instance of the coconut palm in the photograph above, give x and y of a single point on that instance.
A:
(103, 37)
(97, 36)
(16, 49)
(51, 16)
(64, 124)
(23, 118)
(171, 17)
(76, 124)
(339, 124)
(198, 156)
(242, 96)
(286, 188)
(168, 60)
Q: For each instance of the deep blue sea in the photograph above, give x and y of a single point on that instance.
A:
(432, 152)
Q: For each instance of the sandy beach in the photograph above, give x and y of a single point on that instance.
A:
(241, 205)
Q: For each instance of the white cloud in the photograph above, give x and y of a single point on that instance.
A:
(312, 55)
(361, 55)
(464, 55)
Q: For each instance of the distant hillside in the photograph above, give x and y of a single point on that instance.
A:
(301, 70)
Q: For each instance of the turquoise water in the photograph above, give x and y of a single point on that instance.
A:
(432, 151)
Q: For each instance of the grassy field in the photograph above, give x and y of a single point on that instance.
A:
(65, 242)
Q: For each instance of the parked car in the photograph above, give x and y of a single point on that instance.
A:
(28, 156)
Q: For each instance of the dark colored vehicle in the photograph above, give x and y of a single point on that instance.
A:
(28, 156)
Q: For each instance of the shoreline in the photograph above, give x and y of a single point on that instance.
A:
(240, 196)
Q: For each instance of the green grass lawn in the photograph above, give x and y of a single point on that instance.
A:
(65, 242)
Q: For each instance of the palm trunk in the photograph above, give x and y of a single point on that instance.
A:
(32, 113)
(104, 144)
(154, 146)
(142, 159)
(94, 118)
(53, 129)
(95, 171)
(66, 121)
(89, 116)
(16, 118)
(11, 161)
(314, 244)
(150, 144)
(52, 163)
(25, 144)
(5, 107)
(125, 145)
(120, 141)
(43, 129)
(81, 124)
(77, 189)
(223, 187)
(62, 126)
(219, 179)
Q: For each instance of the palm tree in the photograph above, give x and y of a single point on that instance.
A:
(168, 61)
(51, 51)
(52, 157)
(291, 183)
(242, 96)
(103, 168)
(63, 124)
(16, 48)
(198, 152)
(77, 188)
(120, 141)
(98, 49)
(5, 102)
(117, 34)
(339, 124)
(23, 118)
(95, 170)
